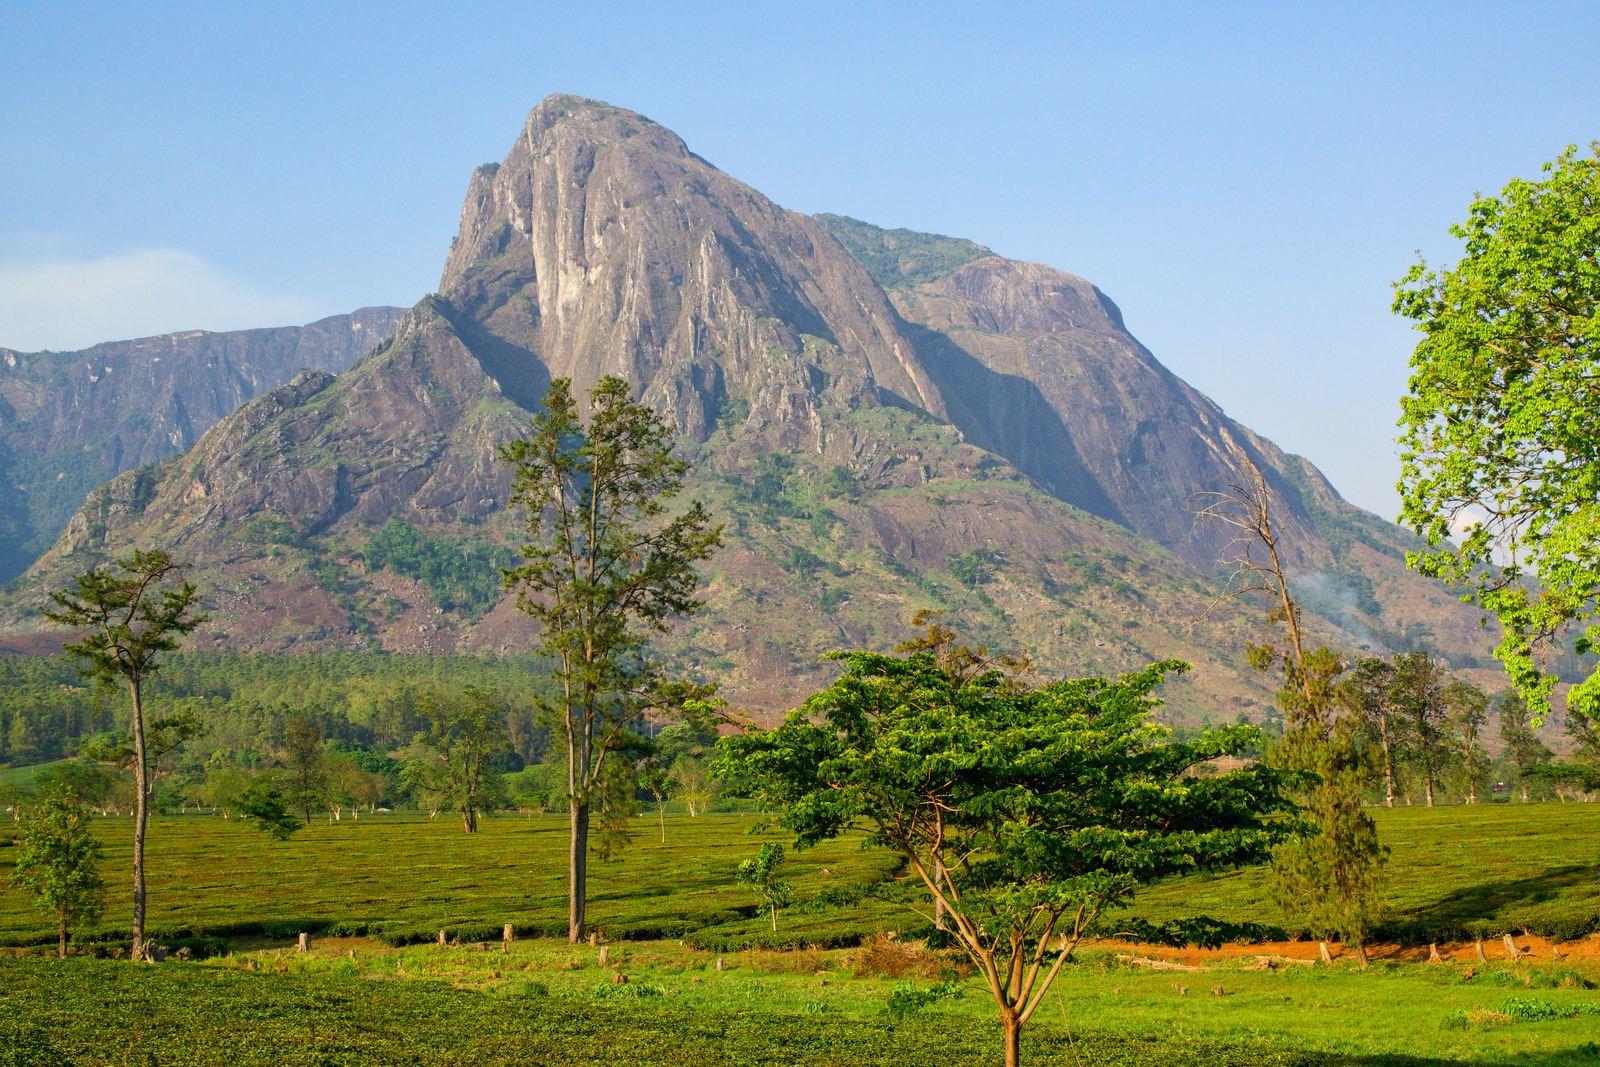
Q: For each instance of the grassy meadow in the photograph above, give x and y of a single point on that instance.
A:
(1453, 872)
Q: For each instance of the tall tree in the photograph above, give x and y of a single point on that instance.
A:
(1524, 750)
(605, 566)
(1418, 690)
(58, 861)
(306, 763)
(1328, 876)
(1500, 427)
(1367, 690)
(1467, 709)
(132, 612)
(1026, 813)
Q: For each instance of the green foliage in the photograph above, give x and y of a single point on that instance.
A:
(605, 567)
(263, 804)
(462, 573)
(450, 760)
(1021, 810)
(763, 873)
(973, 567)
(908, 998)
(57, 861)
(902, 258)
(1500, 427)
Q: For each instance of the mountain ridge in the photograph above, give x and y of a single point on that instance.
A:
(978, 435)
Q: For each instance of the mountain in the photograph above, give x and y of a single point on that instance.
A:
(886, 421)
(71, 420)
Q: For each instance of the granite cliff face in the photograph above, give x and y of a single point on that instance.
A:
(886, 420)
(71, 420)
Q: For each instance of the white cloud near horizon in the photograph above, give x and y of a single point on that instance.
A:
(66, 303)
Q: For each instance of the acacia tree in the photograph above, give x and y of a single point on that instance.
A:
(132, 613)
(1500, 427)
(605, 566)
(57, 861)
(1467, 709)
(1025, 813)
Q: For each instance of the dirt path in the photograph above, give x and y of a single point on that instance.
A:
(1533, 948)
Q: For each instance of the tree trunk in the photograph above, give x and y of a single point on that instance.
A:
(141, 814)
(1524, 792)
(774, 910)
(661, 812)
(1427, 785)
(577, 871)
(1012, 1035)
(61, 948)
(1388, 766)
(469, 820)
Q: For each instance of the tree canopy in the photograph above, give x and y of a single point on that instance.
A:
(1025, 812)
(1500, 427)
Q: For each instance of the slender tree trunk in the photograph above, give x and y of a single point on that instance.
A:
(1388, 763)
(661, 812)
(141, 813)
(1524, 785)
(61, 949)
(469, 820)
(774, 910)
(577, 871)
(1012, 1032)
(1427, 784)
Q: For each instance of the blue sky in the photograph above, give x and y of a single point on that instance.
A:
(1244, 180)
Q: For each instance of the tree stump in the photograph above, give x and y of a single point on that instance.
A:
(1511, 948)
(305, 942)
(1477, 945)
(605, 955)
(1555, 951)
(1433, 953)
(719, 964)
(1322, 950)
(441, 938)
(508, 932)
(619, 979)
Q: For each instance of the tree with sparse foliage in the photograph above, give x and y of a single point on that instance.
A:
(1524, 751)
(763, 872)
(131, 613)
(605, 567)
(1328, 875)
(1466, 710)
(58, 861)
(1026, 813)
(1367, 692)
(1500, 425)
(305, 761)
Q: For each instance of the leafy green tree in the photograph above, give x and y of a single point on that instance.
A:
(605, 567)
(763, 872)
(132, 613)
(465, 732)
(1026, 813)
(1367, 692)
(57, 861)
(1500, 427)
(1467, 709)
(1524, 751)
(1418, 690)
(267, 805)
(306, 762)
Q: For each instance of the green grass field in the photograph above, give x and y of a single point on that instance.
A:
(544, 1002)
(382, 883)
(1453, 872)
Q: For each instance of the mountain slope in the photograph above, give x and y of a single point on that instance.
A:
(887, 421)
(70, 420)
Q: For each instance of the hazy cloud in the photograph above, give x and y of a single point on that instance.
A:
(66, 303)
